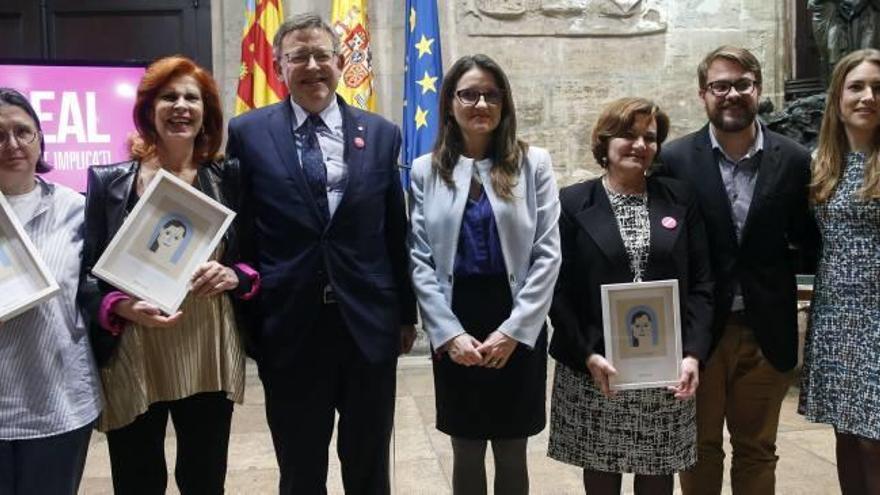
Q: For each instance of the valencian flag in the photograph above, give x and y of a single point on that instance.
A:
(258, 85)
(422, 78)
(349, 20)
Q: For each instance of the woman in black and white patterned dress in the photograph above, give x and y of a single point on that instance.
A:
(841, 376)
(625, 227)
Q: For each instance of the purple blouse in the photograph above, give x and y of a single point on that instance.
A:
(479, 248)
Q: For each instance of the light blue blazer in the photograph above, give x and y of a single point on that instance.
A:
(527, 228)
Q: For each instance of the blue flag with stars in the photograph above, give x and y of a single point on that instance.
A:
(422, 78)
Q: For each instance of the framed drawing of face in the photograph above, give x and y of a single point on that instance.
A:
(172, 229)
(25, 280)
(642, 330)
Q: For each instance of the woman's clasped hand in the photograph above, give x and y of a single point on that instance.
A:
(494, 352)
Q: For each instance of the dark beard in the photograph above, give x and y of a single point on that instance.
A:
(745, 118)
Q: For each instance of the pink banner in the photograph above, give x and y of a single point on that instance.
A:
(85, 112)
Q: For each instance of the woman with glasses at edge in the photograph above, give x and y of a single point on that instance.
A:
(189, 365)
(624, 227)
(839, 381)
(49, 390)
(484, 247)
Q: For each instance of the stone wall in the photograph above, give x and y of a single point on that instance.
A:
(565, 58)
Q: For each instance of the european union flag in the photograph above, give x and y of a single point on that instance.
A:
(422, 78)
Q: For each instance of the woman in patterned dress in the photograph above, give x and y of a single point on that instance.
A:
(841, 376)
(188, 366)
(625, 227)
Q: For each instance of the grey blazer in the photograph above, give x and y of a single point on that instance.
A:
(527, 227)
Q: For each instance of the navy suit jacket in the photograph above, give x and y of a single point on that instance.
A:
(361, 252)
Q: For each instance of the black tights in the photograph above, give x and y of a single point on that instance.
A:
(858, 459)
(201, 423)
(469, 466)
(602, 483)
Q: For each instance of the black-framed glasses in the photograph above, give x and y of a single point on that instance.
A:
(23, 135)
(743, 86)
(302, 57)
(470, 97)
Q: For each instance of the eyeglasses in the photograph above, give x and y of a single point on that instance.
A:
(23, 135)
(470, 97)
(302, 57)
(743, 86)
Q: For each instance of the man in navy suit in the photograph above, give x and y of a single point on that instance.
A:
(324, 221)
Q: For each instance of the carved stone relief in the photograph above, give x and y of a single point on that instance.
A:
(562, 17)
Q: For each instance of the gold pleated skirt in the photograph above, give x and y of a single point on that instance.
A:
(203, 352)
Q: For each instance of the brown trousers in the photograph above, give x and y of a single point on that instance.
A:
(741, 386)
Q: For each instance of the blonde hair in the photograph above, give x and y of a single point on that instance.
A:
(833, 145)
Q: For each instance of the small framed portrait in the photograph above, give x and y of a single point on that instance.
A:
(642, 330)
(25, 280)
(172, 229)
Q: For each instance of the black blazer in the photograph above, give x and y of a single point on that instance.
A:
(593, 254)
(777, 221)
(361, 252)
(109, 193)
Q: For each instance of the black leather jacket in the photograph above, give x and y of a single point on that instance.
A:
(107, 205)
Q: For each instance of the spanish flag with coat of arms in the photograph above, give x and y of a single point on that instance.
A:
(258, 85)
(349, 20)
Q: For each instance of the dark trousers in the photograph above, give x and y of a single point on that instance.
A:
(201, 424)
(48, 466)
(301, 400)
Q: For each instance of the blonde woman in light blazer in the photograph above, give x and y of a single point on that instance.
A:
(484, 247)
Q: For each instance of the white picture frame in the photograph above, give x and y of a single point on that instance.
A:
(642, 330)
(171, 230)
(25, 280)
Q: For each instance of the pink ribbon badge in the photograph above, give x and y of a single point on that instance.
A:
(359, 143)
(669, 223)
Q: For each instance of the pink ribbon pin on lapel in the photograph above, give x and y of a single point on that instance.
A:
(669, 223)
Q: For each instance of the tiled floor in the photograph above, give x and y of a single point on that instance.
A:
(422, 455)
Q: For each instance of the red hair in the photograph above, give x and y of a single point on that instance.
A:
(160, 73)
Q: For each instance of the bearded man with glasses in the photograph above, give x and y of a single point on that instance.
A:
(752, 188)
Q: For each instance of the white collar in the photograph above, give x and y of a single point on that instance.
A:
(331, 115)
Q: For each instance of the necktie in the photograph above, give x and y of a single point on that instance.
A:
(313, 163)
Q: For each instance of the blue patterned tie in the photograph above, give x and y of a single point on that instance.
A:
(313, 163)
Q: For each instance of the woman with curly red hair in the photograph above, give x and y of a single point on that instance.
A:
(189, 365)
